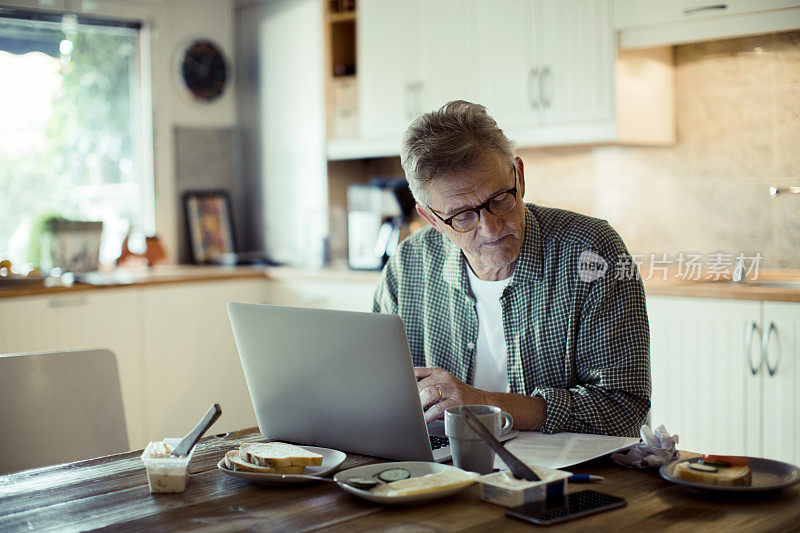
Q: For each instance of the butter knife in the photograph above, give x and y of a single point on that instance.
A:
(517, 467)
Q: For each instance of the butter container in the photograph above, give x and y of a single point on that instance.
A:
(504, 489)
(166, 473)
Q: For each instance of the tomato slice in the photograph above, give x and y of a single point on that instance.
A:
(731, 460)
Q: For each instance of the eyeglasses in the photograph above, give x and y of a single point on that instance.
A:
(468, 219)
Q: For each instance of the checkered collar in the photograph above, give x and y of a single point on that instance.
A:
(528, 267)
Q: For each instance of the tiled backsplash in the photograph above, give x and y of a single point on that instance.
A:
(738, 106)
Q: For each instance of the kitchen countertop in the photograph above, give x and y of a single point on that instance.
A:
(657, 286)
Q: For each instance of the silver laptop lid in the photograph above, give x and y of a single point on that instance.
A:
(338, 379)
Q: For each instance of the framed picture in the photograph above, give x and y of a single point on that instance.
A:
(209, 225)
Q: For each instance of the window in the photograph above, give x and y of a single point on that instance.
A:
(74, 140)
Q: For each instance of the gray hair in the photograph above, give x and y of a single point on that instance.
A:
(447, 141)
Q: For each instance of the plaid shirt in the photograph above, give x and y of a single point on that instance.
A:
(577, 338)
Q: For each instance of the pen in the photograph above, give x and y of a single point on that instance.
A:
(585, 478)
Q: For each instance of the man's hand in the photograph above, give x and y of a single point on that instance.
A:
(439, 390)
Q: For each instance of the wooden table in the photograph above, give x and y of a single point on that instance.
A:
(112, 492)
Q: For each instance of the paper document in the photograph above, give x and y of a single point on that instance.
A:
(560, 450)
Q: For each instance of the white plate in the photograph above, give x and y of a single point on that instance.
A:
(331, 459)
(417, 469)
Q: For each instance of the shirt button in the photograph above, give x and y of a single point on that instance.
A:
(470, 345)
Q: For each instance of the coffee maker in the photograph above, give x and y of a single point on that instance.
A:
(378, 215)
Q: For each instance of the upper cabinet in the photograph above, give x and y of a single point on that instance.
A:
(543, 69)
(388, 67)
(647, 23)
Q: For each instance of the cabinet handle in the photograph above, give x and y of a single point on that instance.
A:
(533, 73)
(748, 348)
(545, 101)
(765, 349)
(712, 7)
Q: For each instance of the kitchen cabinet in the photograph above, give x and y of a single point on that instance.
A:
(544, 70)
(719, 381)
(106, 318)
(647, 23)
(388, 67)
(699, 372)
(189, 356)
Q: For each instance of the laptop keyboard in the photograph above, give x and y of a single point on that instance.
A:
(438, 442)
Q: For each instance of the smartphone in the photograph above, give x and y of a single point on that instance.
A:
(562, 508)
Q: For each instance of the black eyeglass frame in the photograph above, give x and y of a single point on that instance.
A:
(479, 208)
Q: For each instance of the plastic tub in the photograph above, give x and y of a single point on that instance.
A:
(503, 489)
(166, 474)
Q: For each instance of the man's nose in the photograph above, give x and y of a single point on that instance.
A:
(490, 224)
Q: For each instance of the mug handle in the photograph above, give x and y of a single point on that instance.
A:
(508, 423)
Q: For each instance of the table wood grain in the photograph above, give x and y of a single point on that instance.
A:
(111, 492)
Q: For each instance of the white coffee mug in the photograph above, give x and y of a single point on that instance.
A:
(469, 450)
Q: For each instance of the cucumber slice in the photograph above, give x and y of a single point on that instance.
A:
(718, 464)
(363, 483)
(701, 467)
(393, 474)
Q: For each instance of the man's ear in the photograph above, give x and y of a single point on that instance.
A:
(430, 217)
(520, 176)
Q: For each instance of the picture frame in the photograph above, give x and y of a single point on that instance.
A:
(209, 227)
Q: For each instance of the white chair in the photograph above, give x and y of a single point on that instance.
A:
(59, 407)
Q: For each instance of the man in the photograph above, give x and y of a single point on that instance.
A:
(538, 311)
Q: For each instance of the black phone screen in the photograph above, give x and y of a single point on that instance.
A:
(562, 508)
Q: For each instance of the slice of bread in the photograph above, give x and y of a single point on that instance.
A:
(234, 462)
(736, 474)
(278, 454)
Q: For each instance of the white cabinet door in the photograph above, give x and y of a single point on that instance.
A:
(191, 359)
(507, 61)
(447, 52)
(577, 61)
(73, 321)
(701, 385)
(388, 67)
(781, 380)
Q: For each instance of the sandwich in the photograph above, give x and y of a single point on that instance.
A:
(271, 458)
(234, 462)
(727, 470)
(278, 454)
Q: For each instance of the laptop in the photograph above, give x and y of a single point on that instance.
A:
(336, 379)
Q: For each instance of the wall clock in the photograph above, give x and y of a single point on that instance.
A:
(203, 70)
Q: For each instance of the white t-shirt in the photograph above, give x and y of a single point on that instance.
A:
(491, 355)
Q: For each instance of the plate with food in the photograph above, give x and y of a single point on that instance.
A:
(404, 482)
(270, 463)
(731, 474)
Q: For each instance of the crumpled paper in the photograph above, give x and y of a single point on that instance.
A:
(657, 448)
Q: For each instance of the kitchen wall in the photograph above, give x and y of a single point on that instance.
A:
(738, 119)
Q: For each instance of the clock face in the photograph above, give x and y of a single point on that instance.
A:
(204, 71)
